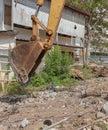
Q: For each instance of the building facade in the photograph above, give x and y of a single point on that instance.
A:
(70, 33)
(71, 29)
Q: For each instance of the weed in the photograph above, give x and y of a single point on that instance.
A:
(15, 89)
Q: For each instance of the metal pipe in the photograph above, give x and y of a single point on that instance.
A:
(37, 10)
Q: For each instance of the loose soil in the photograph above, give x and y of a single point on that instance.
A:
(81, 105)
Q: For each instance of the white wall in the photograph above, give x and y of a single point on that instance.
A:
(4, 45)
(6, 40)
(4, 27)
(67, 27)
(22, 16)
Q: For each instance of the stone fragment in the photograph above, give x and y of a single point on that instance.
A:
(53, 129)
(3, 127)
(1, 109)
(100, 115)
(24, 123)
(96, 127)
(104, 109)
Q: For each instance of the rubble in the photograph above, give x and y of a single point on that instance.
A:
(3, 127)
(83, 112)
(104, 109)
(24, 123)
(100, 115)
(13, 98)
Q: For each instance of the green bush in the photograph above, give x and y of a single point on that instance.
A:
(56, 68)
(65, 63)
(37, 81)
(53, 62)
(57, 63)
(55, 71)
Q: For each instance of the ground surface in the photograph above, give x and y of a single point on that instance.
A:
(82, 106)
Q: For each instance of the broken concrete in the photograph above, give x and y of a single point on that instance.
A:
(55, 106)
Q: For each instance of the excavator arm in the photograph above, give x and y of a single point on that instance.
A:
(25, 58)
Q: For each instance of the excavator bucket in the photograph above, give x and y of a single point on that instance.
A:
(24, 59)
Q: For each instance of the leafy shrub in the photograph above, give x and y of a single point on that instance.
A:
(57, 63)
(56, 68)
(65, 63)
(53, 62)
(37, 81)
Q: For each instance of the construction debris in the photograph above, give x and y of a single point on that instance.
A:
(24, 123)
(75, 73)
(102, 71)
(88, 112)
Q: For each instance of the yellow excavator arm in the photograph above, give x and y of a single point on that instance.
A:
(25, 58)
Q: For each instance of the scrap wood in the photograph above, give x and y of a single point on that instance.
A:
(96, 68)
(103, 72)
(75, 73)
(101, 119)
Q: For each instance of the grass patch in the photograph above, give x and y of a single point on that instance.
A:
(102, 125)
(14, 88)
(44, 81)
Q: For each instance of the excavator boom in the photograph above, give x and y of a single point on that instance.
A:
(25, 58)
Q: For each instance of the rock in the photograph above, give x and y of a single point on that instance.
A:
(24, 123)
(96, 127)
(85, 129)
(3, 127)
(95, 102)
(53, 129)
(89, 128)
(47, 122)
(34, 94)
(83, 104)
(14, 125)
(104, 109)
(100, 115)
(1, 109)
